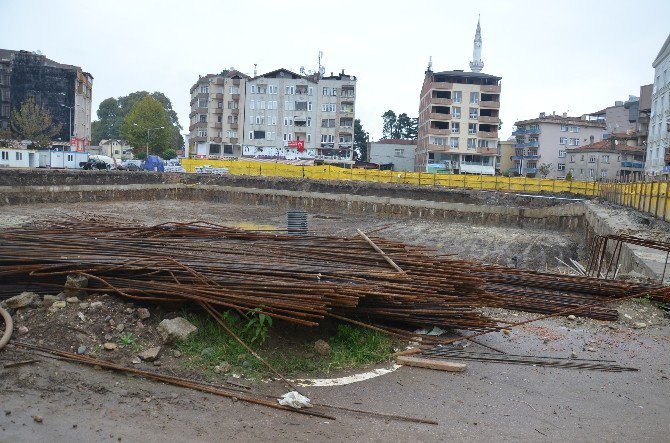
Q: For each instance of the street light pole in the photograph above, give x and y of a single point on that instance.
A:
(148, 130)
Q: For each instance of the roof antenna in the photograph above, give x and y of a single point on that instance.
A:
(430, 64)
(255, 71)
(321, 68)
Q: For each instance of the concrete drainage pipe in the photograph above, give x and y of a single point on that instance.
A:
(9, 327)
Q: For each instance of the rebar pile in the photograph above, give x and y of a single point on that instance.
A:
(298, 278)
(301, 279)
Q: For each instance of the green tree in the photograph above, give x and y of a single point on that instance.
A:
(361, 139)
(390, 120)
(568, 177)
(169, 153)
(149, 113)
(545, 169)
(33, 122)
(112, 112)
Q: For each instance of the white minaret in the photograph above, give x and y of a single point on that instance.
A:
(476, 65)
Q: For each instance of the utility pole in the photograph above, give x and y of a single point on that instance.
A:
(148, 131)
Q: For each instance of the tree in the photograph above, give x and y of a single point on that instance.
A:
(33, 122)
(169, 153)
(568, 177)
(149, 113)
(389, 124)
(544, 169)
(112, 112)
(361, 139)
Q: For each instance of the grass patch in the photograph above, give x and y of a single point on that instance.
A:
(351, 347)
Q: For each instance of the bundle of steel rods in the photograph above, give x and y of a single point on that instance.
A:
(297, 278)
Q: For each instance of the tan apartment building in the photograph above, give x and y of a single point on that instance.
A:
(459, 116)
(293, 117)
(546, 139)
(611, 158)
(217, 115)
(505, 153)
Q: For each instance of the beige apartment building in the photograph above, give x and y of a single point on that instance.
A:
(459, 117)
(505, 153)
(217, 115)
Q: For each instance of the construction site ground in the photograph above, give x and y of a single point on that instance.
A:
(487, 402)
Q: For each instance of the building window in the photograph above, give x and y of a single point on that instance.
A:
(572, 159)
(290, 90)
(309, 121)
(347, 107)
(606, 158)
(453, 142)
(19, 155)
(231, 134)
(234, 90)
(474, 97)
(472, 143)
(272, 89)
(472, 128)
(233, 104)
(327, 138)
(251, 135)
(603, 174)
(456, 96)
(202, 132)
(253, 89)
(455, 127)
(309, 106)
(561, 154)
(561, 167)
(564, 128)
(260, 119)
(573, 142)
(440, 141)
(474, 113)
(288, 121)
(563, 141)
(310, 90)
(456, 112)
(574, 128)
(592, 158)
(328, 107)
(399, 152)
(203, 118)
(70, 157)
(202, 102)
(328, 123)
(204, 89)
(482, 143)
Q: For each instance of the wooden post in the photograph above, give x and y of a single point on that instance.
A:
(658, 198)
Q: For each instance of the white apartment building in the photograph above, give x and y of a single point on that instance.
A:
(294, 117)
(545, 140)
(658, 140)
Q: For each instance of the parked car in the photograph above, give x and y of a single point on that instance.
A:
(131, 165)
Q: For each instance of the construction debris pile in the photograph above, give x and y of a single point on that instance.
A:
(297, 278)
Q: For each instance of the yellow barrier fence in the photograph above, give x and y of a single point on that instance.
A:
(646, 196)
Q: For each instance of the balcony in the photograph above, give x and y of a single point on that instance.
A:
(236, 81)
(234, 126)
(526, 131)
(235, 111)
(439, 148)
(526, 145)
(192, 113)
(198, 139)
(439, 116)
(487, 119)
(442, 85)
(193, 100)
(441, 101)
(218, 110)
(217, 125)
(495, 89)
(485, 134)
(435, 131)
(236, 96)
(529, 171)
(638, 165)
(217, 140)
(487, 151)
(234, 140)
(218, 96)
(489, 104)
(219, 81)
(198, 125)
(201, 110)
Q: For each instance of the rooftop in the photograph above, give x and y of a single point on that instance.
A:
(395, 141)
(610, 145)
(562, 120)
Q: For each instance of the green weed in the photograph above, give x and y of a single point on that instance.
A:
(128, 340)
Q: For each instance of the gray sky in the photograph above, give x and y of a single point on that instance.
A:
(574, 56)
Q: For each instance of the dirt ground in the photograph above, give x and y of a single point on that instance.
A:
(487, 402)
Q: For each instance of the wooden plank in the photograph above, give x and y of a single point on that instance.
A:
(429, 363)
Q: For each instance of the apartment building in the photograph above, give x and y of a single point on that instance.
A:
(611, 158)
(505, 153)
(658, 140)
(643, 114)
(65, 91)
(217, 115)
(546, 139)
(296, 117)
(459, 117)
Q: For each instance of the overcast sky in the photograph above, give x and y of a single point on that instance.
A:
(564, 56)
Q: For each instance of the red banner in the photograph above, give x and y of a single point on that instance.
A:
(300, 144)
